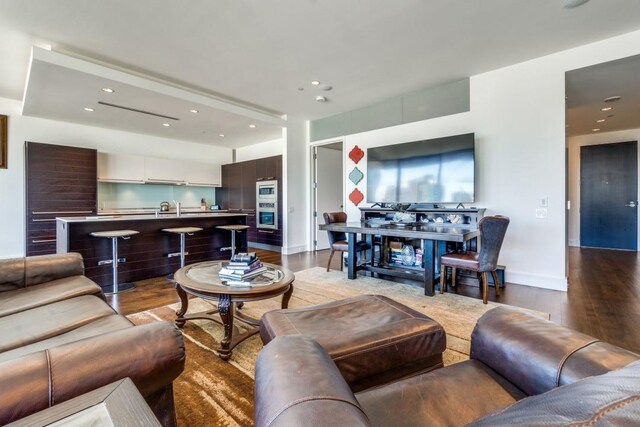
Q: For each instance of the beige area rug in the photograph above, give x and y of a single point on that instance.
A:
(213, 392)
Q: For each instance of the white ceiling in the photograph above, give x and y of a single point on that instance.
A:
(262, 52)
(587, 88)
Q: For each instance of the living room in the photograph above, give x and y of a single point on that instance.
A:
(262, 70)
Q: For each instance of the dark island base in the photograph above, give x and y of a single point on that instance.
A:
(146, 253)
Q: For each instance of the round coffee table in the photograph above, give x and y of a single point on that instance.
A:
(202, 280)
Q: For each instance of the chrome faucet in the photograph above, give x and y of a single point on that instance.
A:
(177, 207)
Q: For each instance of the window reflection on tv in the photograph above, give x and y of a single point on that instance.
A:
(440, 170)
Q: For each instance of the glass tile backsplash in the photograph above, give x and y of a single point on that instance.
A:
(125, 196)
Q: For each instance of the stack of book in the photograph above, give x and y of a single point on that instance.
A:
(242, 268)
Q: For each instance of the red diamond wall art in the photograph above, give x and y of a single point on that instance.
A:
(356, 154)
(356, 196)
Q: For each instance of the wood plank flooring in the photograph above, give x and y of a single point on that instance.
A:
(603, 298)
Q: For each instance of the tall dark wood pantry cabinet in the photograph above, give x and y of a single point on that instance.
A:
(60, 181)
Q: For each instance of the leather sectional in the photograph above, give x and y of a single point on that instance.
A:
(61, 339)
(522, 371)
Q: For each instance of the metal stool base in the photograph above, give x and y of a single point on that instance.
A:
(122, 287)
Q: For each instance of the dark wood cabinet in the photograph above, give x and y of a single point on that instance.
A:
(268, 168)
(238, 192)
(60, 181)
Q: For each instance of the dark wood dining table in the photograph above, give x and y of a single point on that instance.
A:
(428, 233)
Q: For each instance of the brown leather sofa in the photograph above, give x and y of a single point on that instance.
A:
(59, 339)
(522, 371)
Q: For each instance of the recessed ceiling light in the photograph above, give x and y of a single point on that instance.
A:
(321, 98)
(595, 130)
(569, 4)
(166, 125)
(88, 109)
(194, 111)
(606, 109)
(601, 120)
(221, 135)
(108, 90)
(315, 82)
(613, 98)
(252, 126)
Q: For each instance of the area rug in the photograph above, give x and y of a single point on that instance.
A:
(213, 392)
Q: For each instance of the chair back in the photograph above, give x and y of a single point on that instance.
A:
(331, 217)
(492, 230)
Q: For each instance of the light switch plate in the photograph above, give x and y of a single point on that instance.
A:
(544, 202)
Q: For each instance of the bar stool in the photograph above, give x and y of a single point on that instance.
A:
(182, 231)
(233, 229)
(114, 235)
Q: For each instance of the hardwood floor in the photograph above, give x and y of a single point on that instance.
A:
(603, 299)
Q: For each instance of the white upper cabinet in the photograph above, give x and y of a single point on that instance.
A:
(203, 174)
(151, 170)
(164, 171)
(120, 168)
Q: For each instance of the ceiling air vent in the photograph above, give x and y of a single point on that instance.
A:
(135, 110)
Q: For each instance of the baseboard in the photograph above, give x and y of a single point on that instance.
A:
(537, 281)
(264, 246)
(290, 250)
(574, 242)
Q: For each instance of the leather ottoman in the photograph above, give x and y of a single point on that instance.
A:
(371, 338)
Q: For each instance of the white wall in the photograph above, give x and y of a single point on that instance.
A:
(518, 116)
(574, 172)
(54, 132)
(259, 151)
(296, 203)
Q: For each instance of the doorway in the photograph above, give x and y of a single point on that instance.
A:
(608, 193)
(328, 187)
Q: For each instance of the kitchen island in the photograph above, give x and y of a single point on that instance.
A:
(146, 254)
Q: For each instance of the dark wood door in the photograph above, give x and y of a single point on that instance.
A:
(608, 195)
(60, 181)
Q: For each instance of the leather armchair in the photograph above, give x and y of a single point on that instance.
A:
(518, 363)
(60, 339)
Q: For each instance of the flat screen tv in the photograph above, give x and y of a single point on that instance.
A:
(440, 170)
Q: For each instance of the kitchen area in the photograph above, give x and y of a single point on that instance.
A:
(72, 192)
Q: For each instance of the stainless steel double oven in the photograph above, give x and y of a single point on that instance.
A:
(267, 204)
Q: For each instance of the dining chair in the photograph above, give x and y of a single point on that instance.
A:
(492, 231)
(338, 239)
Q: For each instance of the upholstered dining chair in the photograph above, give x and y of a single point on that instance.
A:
(492, 230)
(338, 239)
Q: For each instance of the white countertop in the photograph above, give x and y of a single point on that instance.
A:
(133, 217)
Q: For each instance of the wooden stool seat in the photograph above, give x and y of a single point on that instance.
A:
(180, 230)
(233, 227)
(114, 233)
